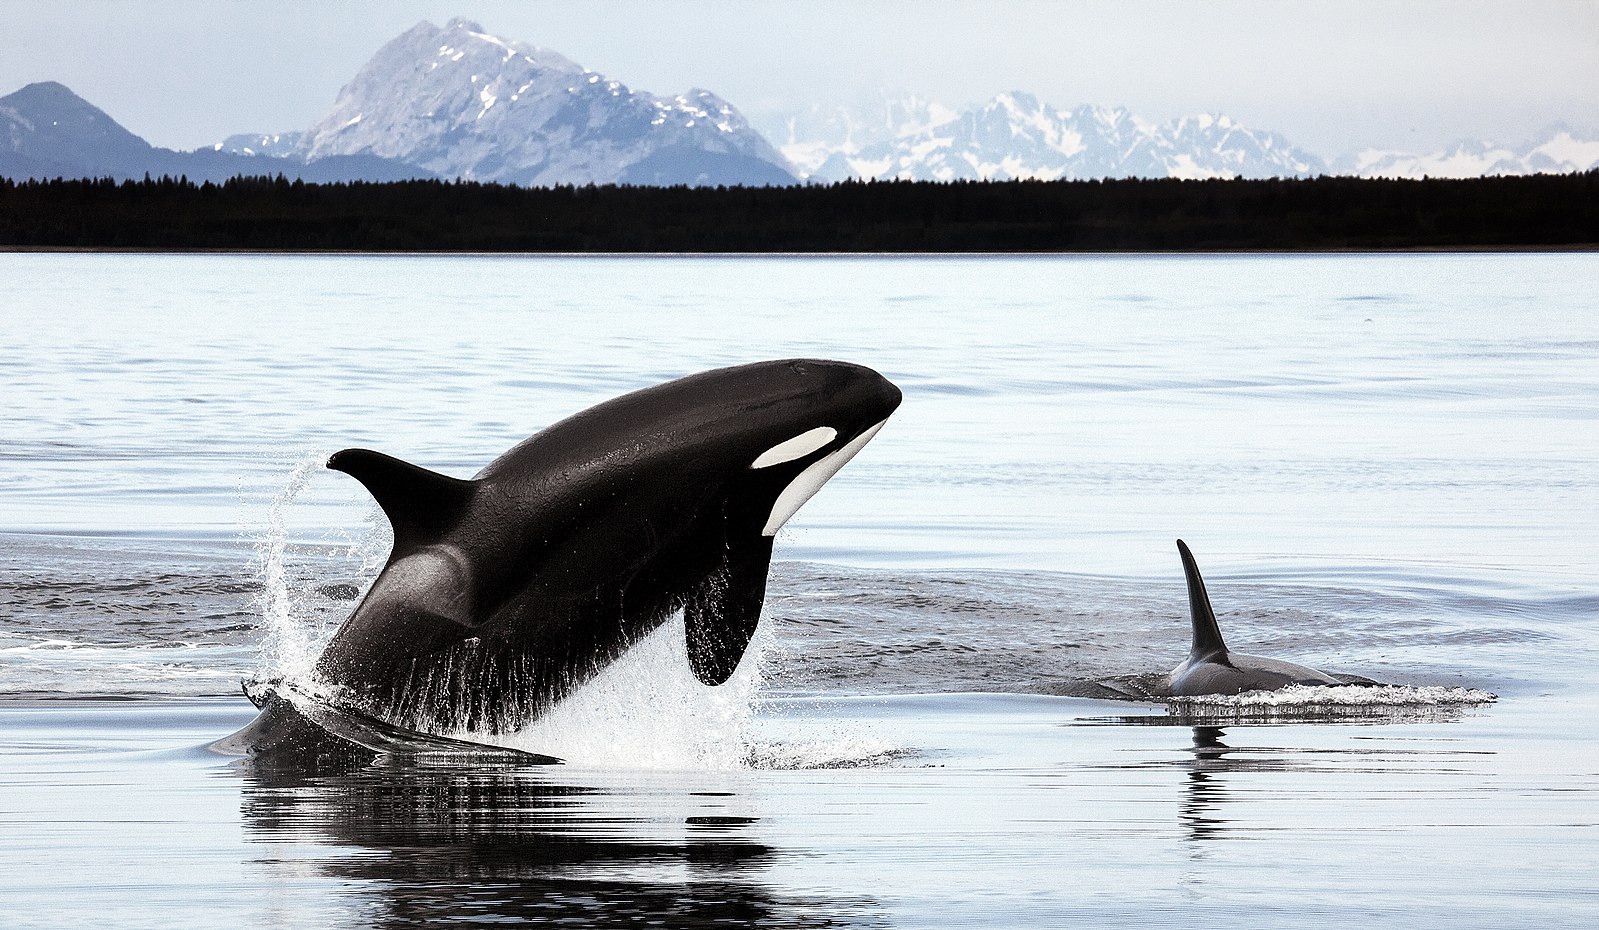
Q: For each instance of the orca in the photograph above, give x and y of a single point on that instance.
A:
(504, 592)
(1211, 668)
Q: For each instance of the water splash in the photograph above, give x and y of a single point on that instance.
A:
(298, 609)
(1333, 702)
(647, 711)
(837, 751)
(286, 648)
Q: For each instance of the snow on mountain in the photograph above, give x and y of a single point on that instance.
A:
(1561, 149)
(1015, 135)
(1213, 146)
(272, 145)
(1557, 150)
(463, 103)
(820, 134)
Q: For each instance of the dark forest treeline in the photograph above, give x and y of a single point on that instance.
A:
(1320, 213)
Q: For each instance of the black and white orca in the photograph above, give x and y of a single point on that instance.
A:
(506, 591)
(1211, 668)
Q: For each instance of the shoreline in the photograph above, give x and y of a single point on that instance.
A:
(1573, 248)
(1325, 214)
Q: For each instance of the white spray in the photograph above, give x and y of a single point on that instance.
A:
(297, 614)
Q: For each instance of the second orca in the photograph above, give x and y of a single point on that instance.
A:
(1211, 668)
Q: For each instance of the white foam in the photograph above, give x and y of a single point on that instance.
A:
(647, 711)
(1313, 700)
(843, 751)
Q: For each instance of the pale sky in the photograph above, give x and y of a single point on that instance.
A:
(1331, 76)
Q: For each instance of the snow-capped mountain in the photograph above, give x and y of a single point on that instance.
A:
(47, 131)
(826, 135)
(463, 103)
(1015, 135)
(1557, 150)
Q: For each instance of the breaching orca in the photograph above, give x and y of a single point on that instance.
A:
(504, 592)
(1212, 669)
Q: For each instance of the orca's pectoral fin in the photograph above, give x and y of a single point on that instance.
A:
(420, 504)
(719, 618)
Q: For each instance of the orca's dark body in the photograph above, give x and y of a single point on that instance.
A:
(1211, 668)
(505, 591)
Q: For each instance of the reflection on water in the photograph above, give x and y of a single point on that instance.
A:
(1206, 794)
(493, 844)
(1209, 812)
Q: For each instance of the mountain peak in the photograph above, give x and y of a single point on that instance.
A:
(462, 102)
(56, 100)
(42, 91)
(1016, 98)
(46, 123)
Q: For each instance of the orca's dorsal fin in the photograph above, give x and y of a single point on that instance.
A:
(421, 505)
(1207, 635)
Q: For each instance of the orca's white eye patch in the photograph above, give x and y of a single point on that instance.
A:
(809, 481)
(800, 446)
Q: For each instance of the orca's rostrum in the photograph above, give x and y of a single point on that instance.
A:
(506, 591)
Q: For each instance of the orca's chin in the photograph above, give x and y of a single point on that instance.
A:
(808, 482)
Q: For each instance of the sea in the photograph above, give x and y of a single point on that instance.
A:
(1385, 464)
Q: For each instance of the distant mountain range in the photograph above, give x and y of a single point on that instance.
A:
(47, 131)
(458, 102)
(1559, 149)
(1017, 136)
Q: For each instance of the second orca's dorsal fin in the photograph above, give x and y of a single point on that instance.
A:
(1207, 635)
(421, 505)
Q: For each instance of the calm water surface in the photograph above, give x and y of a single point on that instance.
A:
(1384, 463)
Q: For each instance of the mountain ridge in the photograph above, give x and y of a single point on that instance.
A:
(47, 131)
(458, 102)
(1014, 135)
(462, 102)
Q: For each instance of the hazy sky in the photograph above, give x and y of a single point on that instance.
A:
(1332, 76)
